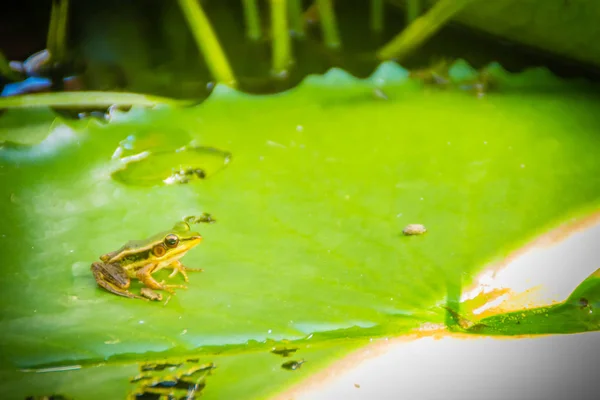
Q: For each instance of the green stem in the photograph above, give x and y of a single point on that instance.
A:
(413, 10)
(328, 23)
(61, 30)
(296, 17)
(56, 41)
(207, 42)
(377, 16)
(252, 19)
(421, 29)
(86, 99)
(51, 36)
(281, 38)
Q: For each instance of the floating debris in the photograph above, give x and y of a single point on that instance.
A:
(175, 383)
(185, 176)
(183, 166)
(205, 218)
(292, 365)
(414, 229)
(140, 377)
(158, 366)
(151, 294)
(200, 368)
(284, 351)
(164, 383)
(143, 395)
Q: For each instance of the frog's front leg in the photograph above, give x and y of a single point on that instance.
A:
(113, 278)
(145, 276)
(179, 267)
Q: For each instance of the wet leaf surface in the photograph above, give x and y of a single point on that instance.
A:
(308, 246)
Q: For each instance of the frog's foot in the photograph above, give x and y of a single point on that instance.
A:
(179, 267)
(145, 276)
(113, 278)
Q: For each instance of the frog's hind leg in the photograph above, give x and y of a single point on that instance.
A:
(179, 267)
(145, 276)
(112, 278)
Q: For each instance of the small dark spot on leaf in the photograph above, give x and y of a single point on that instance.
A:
(178, 384)
(147, 396)
(583, 302)
(201, 368)
(284, 351)
(193, 360)
(196, 387)
(292, 365)
(158, 367)
(167, 383)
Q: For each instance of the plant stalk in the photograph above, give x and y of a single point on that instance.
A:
(328, 23)
(56, 40)
(296, 17)
(421, 29)
(61, 30)
(413, 10)
(377, 16)
(252, 17)
(207, 42)
(281, 42)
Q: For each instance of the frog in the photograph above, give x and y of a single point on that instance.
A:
(139, 259)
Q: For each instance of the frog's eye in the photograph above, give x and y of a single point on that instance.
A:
(159, 250)
(171, 240)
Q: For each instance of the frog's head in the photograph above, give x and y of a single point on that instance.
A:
(163, 246)
(177, 241)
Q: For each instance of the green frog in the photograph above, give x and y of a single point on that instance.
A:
(141, 258)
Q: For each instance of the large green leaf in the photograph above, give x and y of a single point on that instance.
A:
(308, 243)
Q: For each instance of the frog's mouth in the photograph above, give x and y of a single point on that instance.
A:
(189, 243)
(193, 239)
(185, 245)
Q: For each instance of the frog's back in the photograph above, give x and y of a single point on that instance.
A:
(127, 248)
